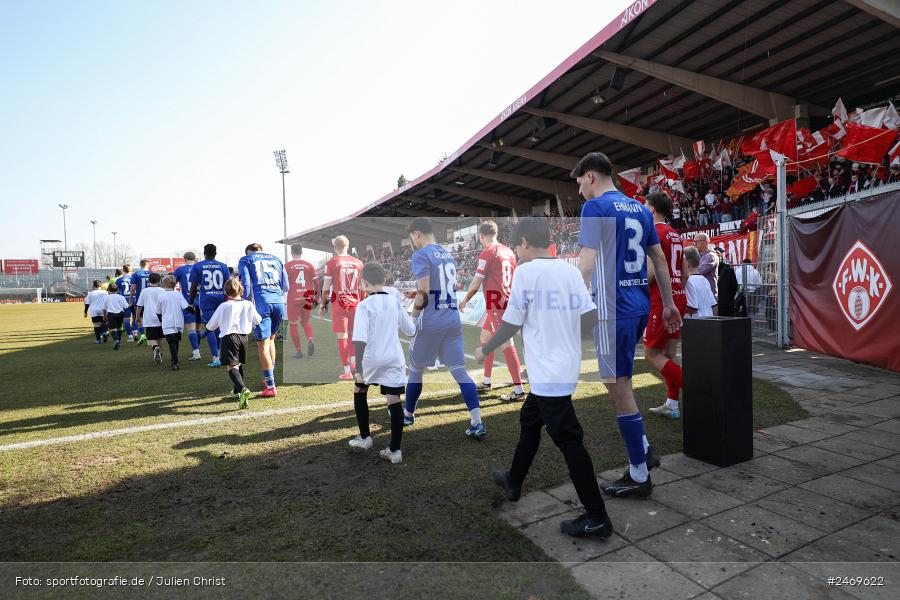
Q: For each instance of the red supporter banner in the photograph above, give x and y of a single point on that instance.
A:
(844, 265)
(738, 246)
(26, 266)
(163, 265)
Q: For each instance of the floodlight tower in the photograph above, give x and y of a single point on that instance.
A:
(282, 164)
(115, 233)
(94, 225)
(65, 239)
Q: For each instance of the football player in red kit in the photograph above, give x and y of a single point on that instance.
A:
(303, 279)
(342, 277)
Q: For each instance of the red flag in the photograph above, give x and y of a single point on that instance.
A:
(763, 166)
(781, 137)
(866, 144)
(668, 169)
(803, 187)
(699, 148)
(894, 154)
(628, 181)
(691, 170)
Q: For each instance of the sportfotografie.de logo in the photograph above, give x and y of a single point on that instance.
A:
(861, 285)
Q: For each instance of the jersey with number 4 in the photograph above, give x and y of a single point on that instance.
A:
(345, 272)
(620, 230)
(302, 276)
(437, 263)
(496, 265)
(673, 249)
(183, 276)
(210, 276)
(264, 278)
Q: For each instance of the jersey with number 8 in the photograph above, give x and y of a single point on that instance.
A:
(496, 265)
(614, 214)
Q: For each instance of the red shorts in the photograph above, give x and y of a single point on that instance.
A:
(342, 319)
(299, 309)
(655, 335)
(492, 320)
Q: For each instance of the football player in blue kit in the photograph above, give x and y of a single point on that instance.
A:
(265, 283)
(183, 276)
(439, 328)
(139, 281)
(123, 288)
(208, 279)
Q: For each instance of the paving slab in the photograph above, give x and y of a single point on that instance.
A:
(874, 437)
(819, 458)
(693, 499)
(891, 462)
(795, 434)
(781, 469)
(851, 418)
(566, 549)
(740, 484)
(879, 391)
(824, 425)
(813, 509)
(769, 443)
(877, 475)
(764, 530)
(879, 533)
(636, 519)
(888, 408)
(888, 571)
(702, 554)
(852, 491)
(834, 548)
(892, 426)
(630, 573)
(853, 448)
(532, 507)
(778, 580)
(686, 467)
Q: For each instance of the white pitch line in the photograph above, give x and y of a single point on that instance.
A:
(192, 422)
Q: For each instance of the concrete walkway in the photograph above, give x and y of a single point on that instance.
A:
(820, 499)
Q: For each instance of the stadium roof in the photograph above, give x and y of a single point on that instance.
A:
(660, 76)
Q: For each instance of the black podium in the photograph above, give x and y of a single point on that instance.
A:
(717, 394)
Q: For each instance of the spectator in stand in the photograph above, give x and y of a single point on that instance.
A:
(728, 286)
(703, 214)
(709, 262)
(677, 223)
(748, 278)
(894, 177)
(749, 223)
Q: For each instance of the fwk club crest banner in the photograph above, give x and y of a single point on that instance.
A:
(844, 266)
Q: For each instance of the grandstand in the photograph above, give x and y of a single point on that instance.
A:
(662, 76)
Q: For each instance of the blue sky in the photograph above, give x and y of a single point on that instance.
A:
(159, 119)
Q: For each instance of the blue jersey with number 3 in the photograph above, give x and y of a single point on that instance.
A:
(264, 278)
(620, 230)
(210, 276)
(183, 276)
(438, 264)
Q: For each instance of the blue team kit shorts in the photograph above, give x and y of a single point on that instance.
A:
(272, 316)
(189, 316)
(615, 341)
(446, 344)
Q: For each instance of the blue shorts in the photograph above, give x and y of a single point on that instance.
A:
(446, 344)
(189, 316)
(207, 313)
(272, 316)
(128, 312)
(615, 341)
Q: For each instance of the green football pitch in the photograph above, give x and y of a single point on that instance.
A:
(105, 456)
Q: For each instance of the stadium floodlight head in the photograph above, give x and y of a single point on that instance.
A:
(597, 98)
(491, 163)
(281, 161)
(533, 138)
(459, 181)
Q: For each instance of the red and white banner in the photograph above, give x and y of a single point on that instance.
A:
(737, 246)
(27, 266)
(844, 266)
(163, 265)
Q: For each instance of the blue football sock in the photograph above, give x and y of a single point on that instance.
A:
(269, 378)
(127, 324)
(466, 386)
(632, 428)
(194, 340)
(413, 390)
(213, 340)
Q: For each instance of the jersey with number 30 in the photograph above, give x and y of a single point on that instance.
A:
(210, 276)
(438, 264)
(345, 272)
(620, 230)
(264, 278)
(496, 265)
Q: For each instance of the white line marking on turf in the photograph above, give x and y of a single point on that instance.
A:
(192, 422)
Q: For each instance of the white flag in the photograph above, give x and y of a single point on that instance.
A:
(839, 112)
(678, 163)
(891, 118)
(873, 117)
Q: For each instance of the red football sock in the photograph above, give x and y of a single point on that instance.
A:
(295, 335)
(671, 372)
(488, 365)
(344, 352)
(307, 329)
(512, 362)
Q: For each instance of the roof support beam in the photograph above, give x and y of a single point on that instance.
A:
(461, 209)
(414, 212)
(501, 200)
(886, 10)
(550, 186)
(769, 105)
(563, 161)
(664, 143)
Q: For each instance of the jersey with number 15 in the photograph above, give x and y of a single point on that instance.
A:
(210, 276)
(264, 278)
(620, 230)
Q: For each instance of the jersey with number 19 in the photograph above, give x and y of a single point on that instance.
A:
(210, 276)
(265, 283)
